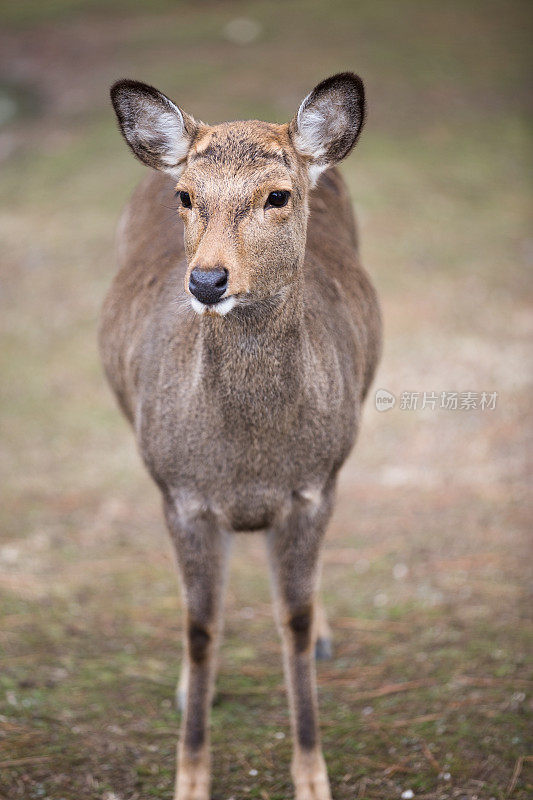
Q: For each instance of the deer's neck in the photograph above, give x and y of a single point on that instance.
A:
(254, 356)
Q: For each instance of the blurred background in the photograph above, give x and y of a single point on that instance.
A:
(429, 552)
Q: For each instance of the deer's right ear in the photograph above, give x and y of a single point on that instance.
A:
(159, 133)
(329, 122)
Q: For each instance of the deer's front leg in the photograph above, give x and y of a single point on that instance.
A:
(201, 549)
(294, 552)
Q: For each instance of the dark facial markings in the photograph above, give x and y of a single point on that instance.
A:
(234, 150)
(203, 211)
(240, 212)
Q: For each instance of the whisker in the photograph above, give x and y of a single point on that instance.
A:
(181, 304)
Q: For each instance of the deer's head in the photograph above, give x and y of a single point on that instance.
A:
(242, 187)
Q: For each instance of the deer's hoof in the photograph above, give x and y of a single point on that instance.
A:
(314, 790)
(191, 787)
(310, 777)
(323, 649)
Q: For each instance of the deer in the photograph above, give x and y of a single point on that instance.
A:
(240, 346)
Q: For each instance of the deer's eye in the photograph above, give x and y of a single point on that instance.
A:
(277, 199)
(185, 199)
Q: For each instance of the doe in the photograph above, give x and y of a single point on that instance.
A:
(245, 410)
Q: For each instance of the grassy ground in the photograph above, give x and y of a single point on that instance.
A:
(428, 556)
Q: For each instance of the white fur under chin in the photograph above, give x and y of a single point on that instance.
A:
(222, 307)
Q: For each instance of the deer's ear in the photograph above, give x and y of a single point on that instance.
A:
(329, 121)
(159, 133)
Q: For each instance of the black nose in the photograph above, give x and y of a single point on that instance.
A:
(208, 285)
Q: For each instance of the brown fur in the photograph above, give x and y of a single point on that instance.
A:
(244, 420)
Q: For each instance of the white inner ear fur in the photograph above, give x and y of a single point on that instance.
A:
(165, 132)
(318, 124)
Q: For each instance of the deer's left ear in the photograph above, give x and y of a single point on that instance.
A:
(329, 121)
(157, 130)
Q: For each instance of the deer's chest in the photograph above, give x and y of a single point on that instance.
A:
(243, 448)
